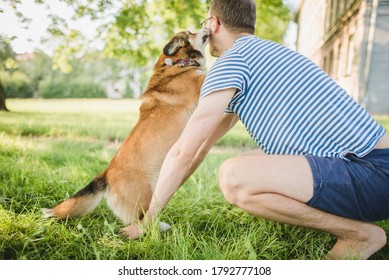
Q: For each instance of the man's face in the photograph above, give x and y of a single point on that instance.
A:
(213, 49)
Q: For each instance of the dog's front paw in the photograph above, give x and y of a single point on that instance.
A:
(47, 213)
(133, 231)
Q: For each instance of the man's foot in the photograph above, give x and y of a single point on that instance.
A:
(369, 240)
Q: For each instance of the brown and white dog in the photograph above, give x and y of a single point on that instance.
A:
(169, 100)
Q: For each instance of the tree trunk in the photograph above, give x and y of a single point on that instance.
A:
(3, 107)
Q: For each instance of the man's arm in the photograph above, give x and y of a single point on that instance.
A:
(225, 124)
(178, 161)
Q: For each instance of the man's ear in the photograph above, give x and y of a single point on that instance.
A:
(173, 46)
(215, 24)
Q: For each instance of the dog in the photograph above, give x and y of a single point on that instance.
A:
(169, 100)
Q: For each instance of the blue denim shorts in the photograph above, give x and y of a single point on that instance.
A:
(356, 189)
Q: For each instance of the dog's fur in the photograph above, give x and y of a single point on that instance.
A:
(168, 102)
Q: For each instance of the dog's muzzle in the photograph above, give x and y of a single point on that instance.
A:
(207, 34)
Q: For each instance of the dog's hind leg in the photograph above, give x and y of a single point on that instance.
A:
(128, 195)
(130, 206)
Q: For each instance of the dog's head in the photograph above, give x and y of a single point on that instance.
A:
(186, 46)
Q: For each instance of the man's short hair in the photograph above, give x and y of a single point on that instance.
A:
(236, 15)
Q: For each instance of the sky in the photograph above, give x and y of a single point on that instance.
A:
(29, 39)
(293, 3)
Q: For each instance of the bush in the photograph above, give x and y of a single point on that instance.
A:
(17, 85)
(63, 89)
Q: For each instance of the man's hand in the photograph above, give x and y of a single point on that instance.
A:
(134, 231)
(139, 229)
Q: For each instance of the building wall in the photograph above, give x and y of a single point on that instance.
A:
(377, 91)
(334, 34)
(311, 22)
(331, 33)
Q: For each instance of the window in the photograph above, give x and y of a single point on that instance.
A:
(341, 8)
(349, 3)
(333, 12)
(338, 9)
(327, 17)
(339, 61)
(331, 64)
(324, 65)
(350, 55)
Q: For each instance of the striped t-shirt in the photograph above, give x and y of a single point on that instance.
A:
(288, 104)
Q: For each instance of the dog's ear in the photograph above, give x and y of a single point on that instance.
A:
(174, 45)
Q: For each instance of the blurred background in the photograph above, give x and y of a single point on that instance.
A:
(107, 48)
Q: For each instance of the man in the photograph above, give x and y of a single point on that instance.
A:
(324, 162)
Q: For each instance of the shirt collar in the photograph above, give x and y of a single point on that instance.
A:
(243, 38)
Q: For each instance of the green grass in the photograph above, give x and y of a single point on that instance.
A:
(50, 149)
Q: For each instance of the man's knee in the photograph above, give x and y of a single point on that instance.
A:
(230, 182)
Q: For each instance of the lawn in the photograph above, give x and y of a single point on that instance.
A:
(49, 149)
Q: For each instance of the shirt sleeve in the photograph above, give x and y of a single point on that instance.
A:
(229, 71)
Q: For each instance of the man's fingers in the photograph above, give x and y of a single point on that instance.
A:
(132, 231)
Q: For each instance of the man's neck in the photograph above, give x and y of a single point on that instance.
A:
(230, 39)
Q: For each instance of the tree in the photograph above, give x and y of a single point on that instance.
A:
(3, 107)
(36, 69)
(273, 17)
(139, 28)
(6, 53)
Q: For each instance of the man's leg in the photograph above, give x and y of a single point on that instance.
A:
(278, 187)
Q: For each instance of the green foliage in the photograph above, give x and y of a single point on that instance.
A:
(17, 85)
(36, 76)
(36, 69)
(91, 75)
(6, 50)
(273, 17)
(73, 89)
(138, 29)
(74, 46)
(6, 53)
(142, 27)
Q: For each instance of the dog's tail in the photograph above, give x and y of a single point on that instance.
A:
(83, 202)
